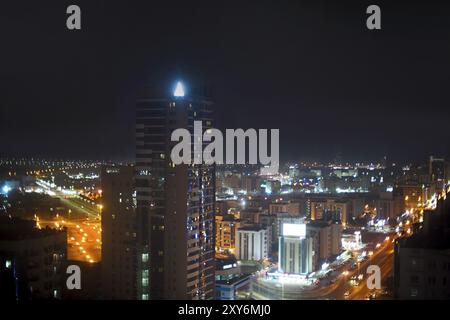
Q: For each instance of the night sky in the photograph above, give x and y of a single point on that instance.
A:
(311, 69)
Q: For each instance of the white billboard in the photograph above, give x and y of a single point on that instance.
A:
(294, 230)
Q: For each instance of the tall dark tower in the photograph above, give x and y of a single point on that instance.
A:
(175, 203)
(119, 236)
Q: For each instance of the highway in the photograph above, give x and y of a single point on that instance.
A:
(83, 226)
(83, 237)
(71, 200)
(383, 257)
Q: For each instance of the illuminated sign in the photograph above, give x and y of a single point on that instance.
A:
(294, 230)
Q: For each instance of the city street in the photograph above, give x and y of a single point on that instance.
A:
(83, 226)
(383, 257)
(83, 237)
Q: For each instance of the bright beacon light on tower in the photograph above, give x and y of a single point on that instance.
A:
(179, 90)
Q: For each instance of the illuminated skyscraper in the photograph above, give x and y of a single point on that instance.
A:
(175, 202)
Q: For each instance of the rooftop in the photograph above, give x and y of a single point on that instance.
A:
(12, 229)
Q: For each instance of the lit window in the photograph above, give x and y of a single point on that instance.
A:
(144, 257)
(8, 264)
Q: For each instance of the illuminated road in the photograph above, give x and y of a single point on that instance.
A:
(72, 201)
(385, 262)
(83, 237)
(383, 258)
(84, 241)
(80, 205)
(83, 226)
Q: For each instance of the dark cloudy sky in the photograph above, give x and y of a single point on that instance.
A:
(311, 69)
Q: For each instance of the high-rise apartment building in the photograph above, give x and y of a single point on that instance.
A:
(175, 203)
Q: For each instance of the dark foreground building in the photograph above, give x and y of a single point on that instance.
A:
(119, 234)
(422, 261)
(90, 282)
(175, 203)
(32, 260)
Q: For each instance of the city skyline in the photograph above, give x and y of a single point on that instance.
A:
(224, 151)
(314, 229)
